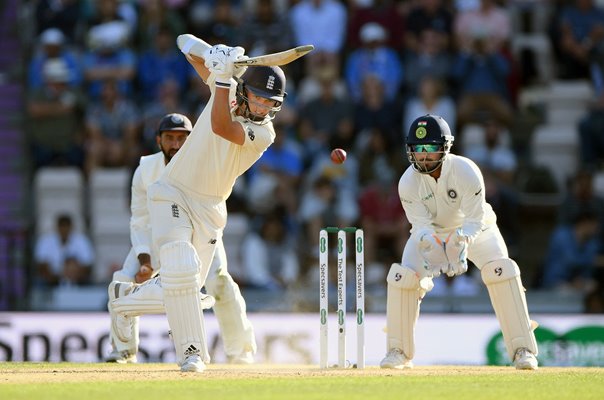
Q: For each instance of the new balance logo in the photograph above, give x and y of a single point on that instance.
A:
(191, 351)
(175, 212)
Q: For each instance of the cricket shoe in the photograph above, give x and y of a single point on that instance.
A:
(245, 357)
(396, 359)
(192, 363)
(525, 359)
(122, 324)
(121, 357)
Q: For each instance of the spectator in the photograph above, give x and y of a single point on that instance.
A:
(430, 99)
(489, 22)
(63, 256)
(429, 15)
(215, 20)
(64, 15)
(275, 178)
(580, 32)
(374, 58)
(108, 57)
(429, 60)
(269, 256)
(572, 257)
(159, 63)
(166, 101)
(265, 30)
(54, 125)
(386, 13)
(591, 127)
(580, 195)
(53, 46)
(374, 111)
(495, 153)
(156, 17)
(112, 128)
(328, 21)
(480, 75)
(325, 117)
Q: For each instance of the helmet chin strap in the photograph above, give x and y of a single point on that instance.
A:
(417, 164)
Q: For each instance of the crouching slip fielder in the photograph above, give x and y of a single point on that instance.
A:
(237, 331)
(187, 203)
(444, 198)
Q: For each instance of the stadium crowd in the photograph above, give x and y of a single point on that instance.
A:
(101, 73)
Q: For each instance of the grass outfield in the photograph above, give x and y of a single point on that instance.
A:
(50, 381)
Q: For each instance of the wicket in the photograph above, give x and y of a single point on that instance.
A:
(341, 291)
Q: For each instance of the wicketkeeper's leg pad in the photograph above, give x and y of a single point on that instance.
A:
(402, 308)
(230, 311)
(180, 280)
(502, 278)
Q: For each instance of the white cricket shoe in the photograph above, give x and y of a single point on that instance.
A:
(525, 359)
(396, 359)
(193, 364)
(121, 357)
(244, 358)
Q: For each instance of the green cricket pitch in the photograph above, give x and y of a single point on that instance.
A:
(152, 381)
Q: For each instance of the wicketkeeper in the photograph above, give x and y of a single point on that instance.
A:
(444, 198)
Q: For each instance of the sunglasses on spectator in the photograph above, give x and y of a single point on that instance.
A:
(428, 148)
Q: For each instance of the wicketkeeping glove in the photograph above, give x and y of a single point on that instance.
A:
(432, 250)
(456, 249)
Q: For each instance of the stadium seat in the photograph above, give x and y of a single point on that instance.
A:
(57, 191)
(109, 194)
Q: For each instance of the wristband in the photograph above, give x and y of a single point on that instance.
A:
(223, 82)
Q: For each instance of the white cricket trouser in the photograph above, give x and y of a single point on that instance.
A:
(175, 217)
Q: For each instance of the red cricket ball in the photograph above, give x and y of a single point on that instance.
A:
(338, 156)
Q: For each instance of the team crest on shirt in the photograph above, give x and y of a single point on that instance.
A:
(420, 132)
(250, 134)
(452, 194)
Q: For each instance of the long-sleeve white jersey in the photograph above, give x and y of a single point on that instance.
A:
(148, 171)
(207, 164)
(456, 199)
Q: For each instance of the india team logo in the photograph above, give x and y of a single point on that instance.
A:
(421, 132)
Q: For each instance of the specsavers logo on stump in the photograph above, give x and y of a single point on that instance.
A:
(583, 346)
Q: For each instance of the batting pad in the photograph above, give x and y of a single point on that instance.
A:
(502, 278)
(402, 308)
(229, 309)
(181, 285)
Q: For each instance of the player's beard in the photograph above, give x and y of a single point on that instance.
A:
(168, 154)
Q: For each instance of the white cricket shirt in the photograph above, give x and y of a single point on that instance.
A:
(148, 171)
(207, 164)
(457, 199)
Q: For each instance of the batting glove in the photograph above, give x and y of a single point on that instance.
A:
(219, 60)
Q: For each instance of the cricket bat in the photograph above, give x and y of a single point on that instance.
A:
(195, 47)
